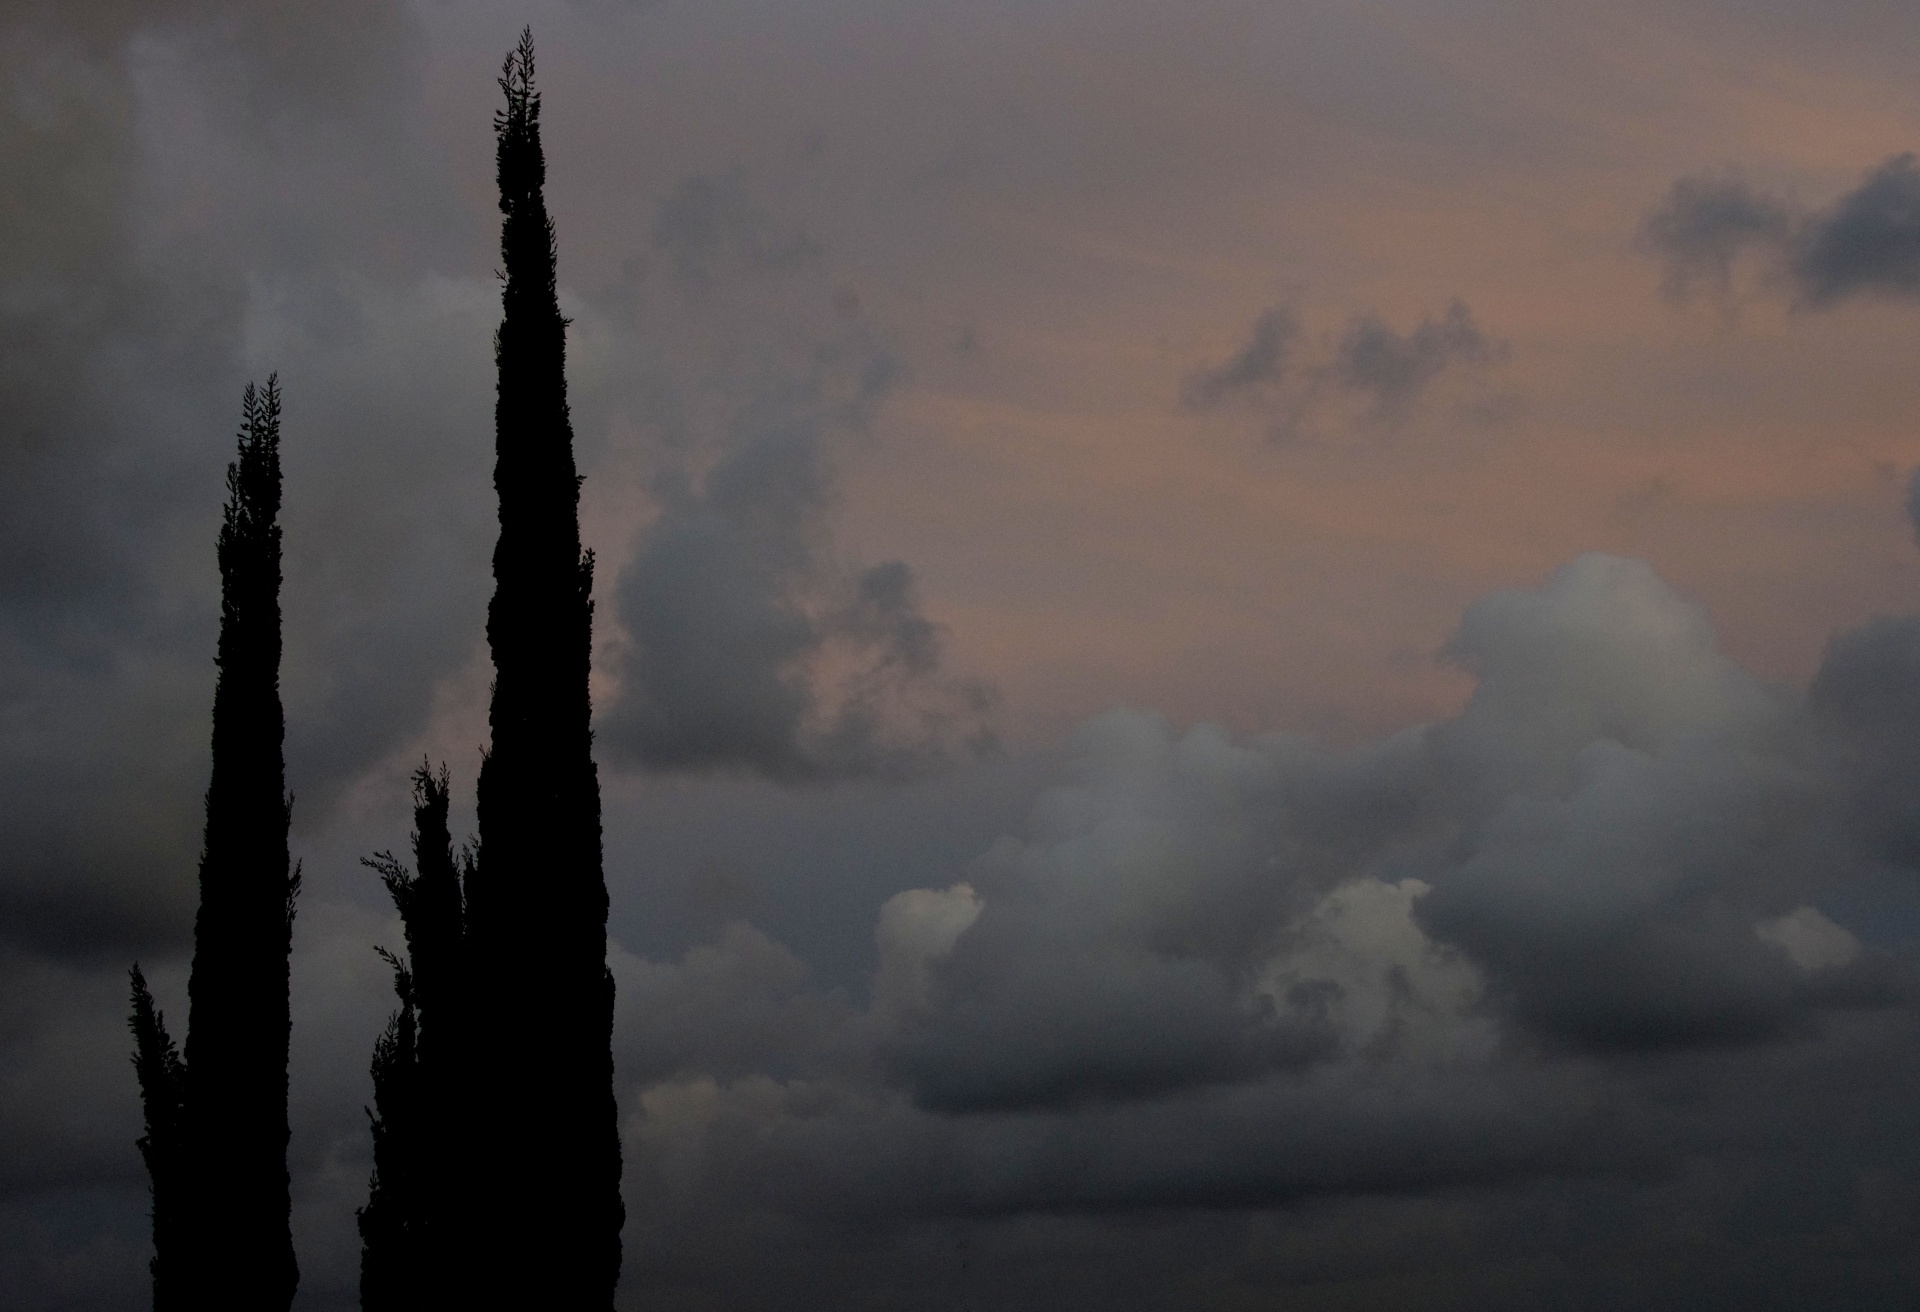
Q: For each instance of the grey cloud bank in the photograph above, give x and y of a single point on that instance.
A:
(1565, 945)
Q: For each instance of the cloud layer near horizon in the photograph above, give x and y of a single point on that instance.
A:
(1253, 975)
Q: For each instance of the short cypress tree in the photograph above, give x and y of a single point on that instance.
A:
(411, 1226)
(393, 1274)
(163, 1080)
(216, 1141)
(548, 1223)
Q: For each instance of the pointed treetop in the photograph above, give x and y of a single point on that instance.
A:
(253, 479)
(516, 79)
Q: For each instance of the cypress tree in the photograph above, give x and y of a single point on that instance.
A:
(163, 1080)
(548, 1225)
(393, 1275)
(216, 1141)
(421, 1146)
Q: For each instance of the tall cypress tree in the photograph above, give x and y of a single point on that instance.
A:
(422, 1145)
(549, 1224)
(216, 1141)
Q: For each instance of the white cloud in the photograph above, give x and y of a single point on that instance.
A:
(1810, 940)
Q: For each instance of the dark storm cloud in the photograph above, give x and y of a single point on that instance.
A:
(1300, 1193)
(1867, 243)
(1558, 956)
(1867, 701)
(1618, 845)
(749, 646)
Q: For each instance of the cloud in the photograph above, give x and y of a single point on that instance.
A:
(1385, 371)
(1507, 1011)
(1866, 243)
(148, 274)
(1617, 845)
(1262, 362)
(1640, 806)
(1705, 224)
(740, 1006)
(1566, 945)
(746, 652)
(1866, 704)
(1393, 368)
(748, 645)
(1570, 937)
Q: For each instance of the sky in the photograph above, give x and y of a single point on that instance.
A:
(1246, 655)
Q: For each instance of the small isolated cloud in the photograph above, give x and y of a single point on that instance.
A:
(1866, 243)
(1261, 363)
(1392, 368)
(1372, 373)
(1704, 225)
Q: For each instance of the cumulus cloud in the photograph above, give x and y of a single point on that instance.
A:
(1572, 937)
(749, 645)
(1866, 243)
(1372, 373)
(1558, 938)
(1616, 845)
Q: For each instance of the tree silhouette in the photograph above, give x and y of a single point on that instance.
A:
(163, 1079)
(422, 1147)
(393, 1273)
(216, 1140)
(549, 1222)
